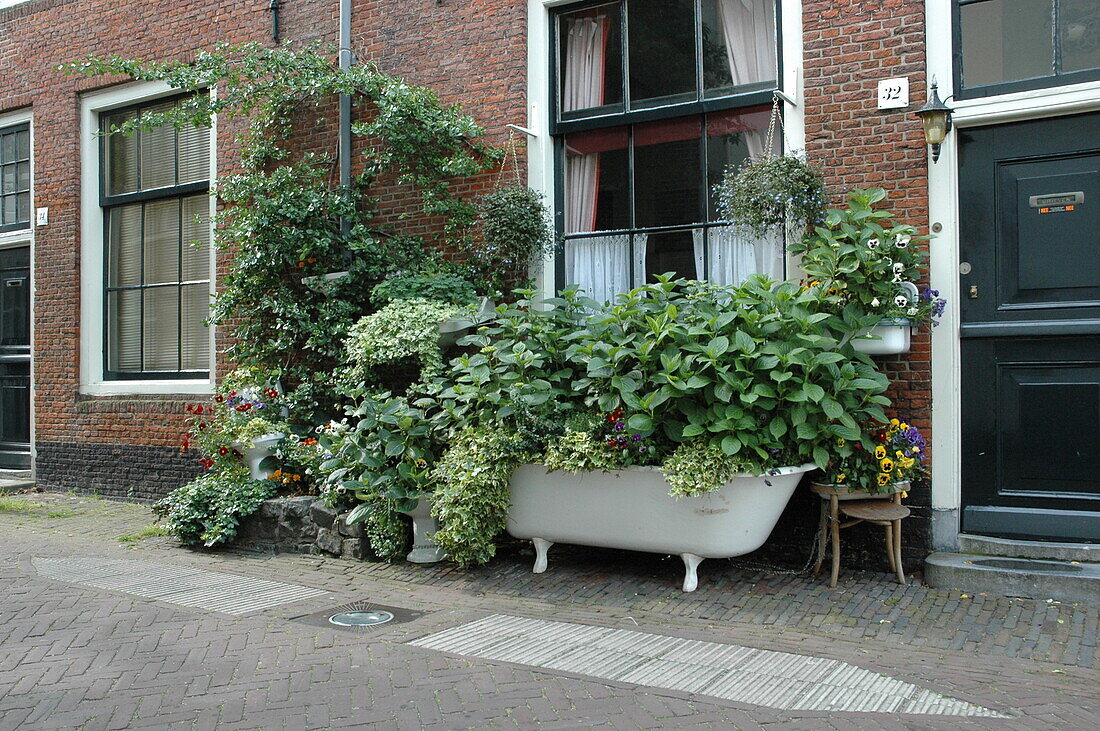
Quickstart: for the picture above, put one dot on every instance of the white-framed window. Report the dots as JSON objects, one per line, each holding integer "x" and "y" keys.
{"x": 650, "y": 102}
{"x": 15, "y": 177}
{"x": 147, "y": 271}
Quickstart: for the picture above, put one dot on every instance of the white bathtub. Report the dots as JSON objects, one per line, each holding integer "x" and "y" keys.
{"x": 631, "y": 509}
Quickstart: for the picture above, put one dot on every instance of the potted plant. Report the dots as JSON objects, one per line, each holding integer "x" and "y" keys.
{"x": 883, "y": 461}
{"x": 862, "y": 259}
{"x": 769, "y": 193}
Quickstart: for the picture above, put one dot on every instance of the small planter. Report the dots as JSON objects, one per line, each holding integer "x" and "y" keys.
{"x": 425, "y": 549}
{"x": 631, "y": 509}
{"x": 889, "y": 337}
{"x": 846, "y": 492}
{"x": 257, "y": 451}
{"x": 452, "y": 330}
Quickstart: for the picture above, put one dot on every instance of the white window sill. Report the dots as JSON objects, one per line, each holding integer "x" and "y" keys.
{"x": 204, "y": 387}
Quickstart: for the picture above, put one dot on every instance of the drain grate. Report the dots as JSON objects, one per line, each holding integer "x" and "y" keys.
{"x": 360, "y": 616}
{"x": 361, "y": 619}
{"x": 741, "y": 674}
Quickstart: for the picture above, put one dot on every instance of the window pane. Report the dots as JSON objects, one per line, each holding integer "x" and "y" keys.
{"x": 1006, "y": 40}
{"x": 1079, "y": 34}
{"x": 161, "y": 331}
{"x": 591, "y": 58}
{"x": 597, "y": 182}
{"x": 23, "y": 145}
{"x": 122, "y": 160}
{"x": 23, "y": 207}
{"x": 162, "y": 242}
{"x": 738, "y": 44}
{"x": 8, "y": 176}
{"x": 194, "y": 154}
{"x": 124, "y": 246}
{"x": 124, "y": 330}
{"x": 196, "y": 238}
{"x": 668, "y": 181}
{"x": 195, "y": 336}
{"x": 732, "y": 137}
{"x": 158, "y": 153}
{"x": 23, "y": 176}
{"x": 10, "y": 210}
{"x": 670, "y": 252}
{"x": 662, "y": 51}
{"x": 8, "y": 147}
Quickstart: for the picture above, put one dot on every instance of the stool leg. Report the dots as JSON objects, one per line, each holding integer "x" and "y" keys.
{"x": 834, "y": 520}
{"x": 890, "y": 546}
{"x": 897, "y": 553}
{"x": 822, "y": 535}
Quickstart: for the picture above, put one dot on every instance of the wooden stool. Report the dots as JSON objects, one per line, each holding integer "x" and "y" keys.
{"x": 885, "y": 511}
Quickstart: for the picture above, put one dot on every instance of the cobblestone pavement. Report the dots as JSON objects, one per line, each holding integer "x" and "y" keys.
{"x": 72, "y": 656}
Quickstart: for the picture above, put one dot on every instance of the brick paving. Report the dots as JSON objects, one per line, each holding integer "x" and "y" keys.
{"x": 78, "y": 657}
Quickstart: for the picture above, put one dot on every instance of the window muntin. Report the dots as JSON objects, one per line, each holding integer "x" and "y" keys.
{"x": 675, "y": 52}
{"x": 155, "y": 195}
{"x": 15, "y": 177}
{"x": 1014, "y": 45}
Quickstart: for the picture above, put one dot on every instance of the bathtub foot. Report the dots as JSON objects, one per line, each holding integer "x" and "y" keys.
{"x": 691, "y": 562}
{"x": 541, "y": 547}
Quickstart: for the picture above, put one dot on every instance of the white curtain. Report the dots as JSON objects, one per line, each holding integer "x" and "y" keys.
{"x": 733, "y": 256}
{"x": 601, "y": 265}
{"x": 748, "y": 27}
{"x": 584, "y": 63}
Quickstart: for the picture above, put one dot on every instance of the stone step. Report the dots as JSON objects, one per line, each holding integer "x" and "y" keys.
{"x": 1065, "y": 581}
{"x": 1048, "y": 550}
{"x": 14, "y": 484}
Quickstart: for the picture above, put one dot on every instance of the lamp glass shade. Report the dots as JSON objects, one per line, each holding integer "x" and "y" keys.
{"x": 935, "y": 126}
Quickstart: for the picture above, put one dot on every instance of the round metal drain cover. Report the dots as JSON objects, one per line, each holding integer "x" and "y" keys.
{"x": 366, "y": 618}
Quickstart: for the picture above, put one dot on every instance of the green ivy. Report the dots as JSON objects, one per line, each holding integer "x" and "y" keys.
{"x": 403, "y": 328}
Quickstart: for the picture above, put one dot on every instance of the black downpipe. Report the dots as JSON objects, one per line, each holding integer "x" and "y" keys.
{"x": 274, "y": 8}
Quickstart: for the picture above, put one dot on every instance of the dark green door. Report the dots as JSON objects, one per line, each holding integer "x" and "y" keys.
{"x": 15, "y": 358}
{"x": 1029, "y": 239}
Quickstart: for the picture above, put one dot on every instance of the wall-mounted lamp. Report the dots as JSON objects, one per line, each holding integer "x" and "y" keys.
{"x": 936, "y": 117}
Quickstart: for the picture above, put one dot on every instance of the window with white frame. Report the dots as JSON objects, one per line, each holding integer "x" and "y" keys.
{"x": 654, "y": 100}
{"x": 154, "y": 194}
{"x": 15, "y": 177}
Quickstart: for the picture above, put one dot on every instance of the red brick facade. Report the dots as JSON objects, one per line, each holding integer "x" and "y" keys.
{"x": 473, "y": 53}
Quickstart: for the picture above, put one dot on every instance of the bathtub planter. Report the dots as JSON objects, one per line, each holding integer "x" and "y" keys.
{"x": 890, "y": 336}
{"x": 631, "y": 509}
{"x": 454, "y": 329}
{"x": 255, "y": 452}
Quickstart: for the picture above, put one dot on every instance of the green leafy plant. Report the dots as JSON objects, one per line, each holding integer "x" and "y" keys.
{"x": 208, "y": 510}
{"x": 766, "y": 193}
{"x": 425, "y": 285}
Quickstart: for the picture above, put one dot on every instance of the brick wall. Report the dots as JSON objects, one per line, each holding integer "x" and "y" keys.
{"x": 850, "y": 45}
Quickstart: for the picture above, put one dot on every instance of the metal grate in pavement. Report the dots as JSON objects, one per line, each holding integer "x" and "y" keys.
{"x": 183, "y": 585}
{"x": 742, "y": 674}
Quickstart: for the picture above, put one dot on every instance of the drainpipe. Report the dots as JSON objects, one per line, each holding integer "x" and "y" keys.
{"x": 346, "y": 61}
{"x": 274, "y": 8}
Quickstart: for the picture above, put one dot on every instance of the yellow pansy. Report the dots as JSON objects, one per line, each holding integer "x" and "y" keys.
{"x": 907, "y": 463}
{"x": 894, "y": 422}
{"x": 886, "y": 465}
{"x": 898, "y": 454}
{"x": 883, "y": 479}
{"x": 880, "y": 452}
{"x": 841, "y": 477}
{"x": 904, "y": 427}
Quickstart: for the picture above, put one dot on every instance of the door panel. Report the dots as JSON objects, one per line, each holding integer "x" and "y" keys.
{"x": 1030, "y": 334}
{"x": 15, "y": 358}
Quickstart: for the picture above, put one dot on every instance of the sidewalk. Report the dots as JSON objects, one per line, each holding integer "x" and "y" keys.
{"x": 73, "y": 655}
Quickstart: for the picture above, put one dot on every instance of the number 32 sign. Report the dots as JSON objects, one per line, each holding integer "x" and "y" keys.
{"x": 893, "y": 93}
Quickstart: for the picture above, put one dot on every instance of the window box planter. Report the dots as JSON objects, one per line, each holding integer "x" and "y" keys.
{"x": 889, "y": 337}
{"x": 631, "y": 509}
{"x": 257, "y": 451}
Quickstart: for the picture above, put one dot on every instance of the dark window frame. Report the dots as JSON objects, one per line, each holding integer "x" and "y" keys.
{"x": 1008, "y": 87}
{"x": 744, "y": 99}
{"x": 107, "y": 203}
{"x": 13, "y": 130}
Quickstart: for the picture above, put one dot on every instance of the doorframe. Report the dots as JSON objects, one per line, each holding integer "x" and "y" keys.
{"x": 25, "y": 237}
{"x": 943, "y": 213}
